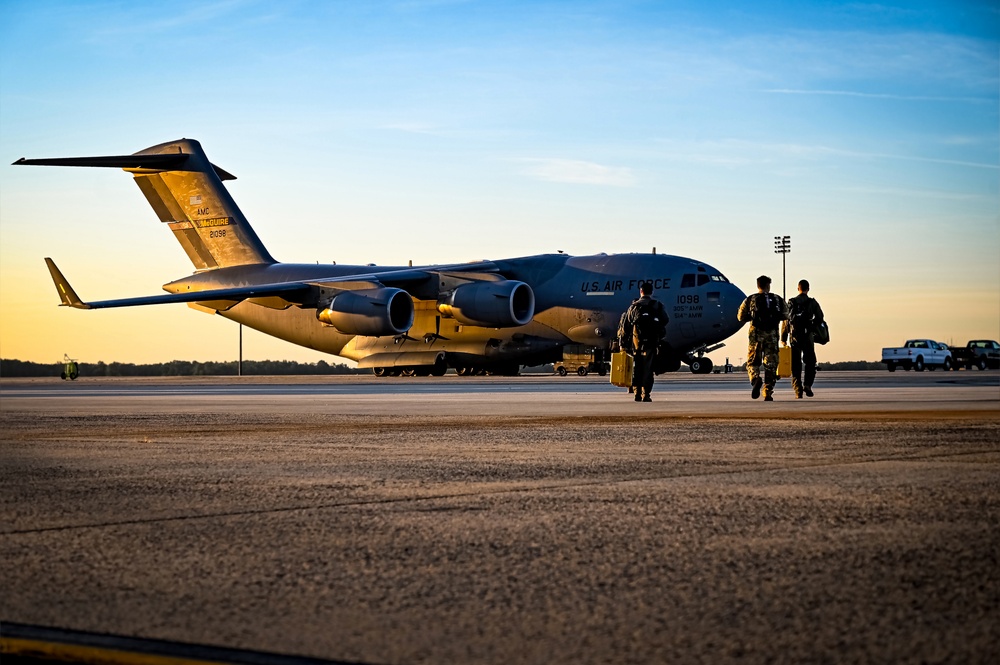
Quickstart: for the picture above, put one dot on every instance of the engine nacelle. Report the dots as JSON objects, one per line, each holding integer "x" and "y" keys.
{"x": 503, "y": 304}
{"x": 369, "y": 312}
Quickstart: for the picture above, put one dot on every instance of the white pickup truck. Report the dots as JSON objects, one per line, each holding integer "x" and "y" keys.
{"x": 917, "y": 354}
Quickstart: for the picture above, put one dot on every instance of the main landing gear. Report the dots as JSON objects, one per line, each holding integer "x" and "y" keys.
{"x": 700, "y": 365}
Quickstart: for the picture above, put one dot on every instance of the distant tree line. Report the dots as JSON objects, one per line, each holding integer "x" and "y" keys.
{"x": 21, "y": 368}
{"x": 850, "y": 365}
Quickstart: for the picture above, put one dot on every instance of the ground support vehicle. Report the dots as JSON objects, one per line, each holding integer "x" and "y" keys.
{"x": 917, "y": 354}
{"x": 981, "y": 353}
{"x": 581, "y": 359}
{"x": 70, "y": 369}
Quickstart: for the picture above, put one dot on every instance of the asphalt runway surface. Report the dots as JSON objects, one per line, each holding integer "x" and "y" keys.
{"x": 518, "y": 520}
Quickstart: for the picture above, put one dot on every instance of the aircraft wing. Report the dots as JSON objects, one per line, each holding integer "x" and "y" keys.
{"x": 293, "y": 290}
{"x": 408, "y": 276}
{"x": 301, "y": 292}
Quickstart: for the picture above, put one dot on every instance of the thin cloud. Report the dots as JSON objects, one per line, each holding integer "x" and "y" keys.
{"x": 578, "y": 172}
{"x": 910, "y": 193}
{"x": 200, "y": 15}
{"x": 414, "y": 128}
{"x": 736, "y": 153}
{"x": 874, "y": 95}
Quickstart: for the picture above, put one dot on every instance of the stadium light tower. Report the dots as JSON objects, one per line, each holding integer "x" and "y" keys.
{"x": 783, "y": 245}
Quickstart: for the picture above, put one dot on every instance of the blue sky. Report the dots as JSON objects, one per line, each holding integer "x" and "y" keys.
{"x": 448, "y": 131}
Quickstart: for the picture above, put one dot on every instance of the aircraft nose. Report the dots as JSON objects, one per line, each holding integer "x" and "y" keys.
{"x": 732, "y": 297}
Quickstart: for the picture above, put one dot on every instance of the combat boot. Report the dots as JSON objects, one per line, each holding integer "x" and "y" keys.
{"x": 809, "y": 391}
{"x": 757, "y": 385}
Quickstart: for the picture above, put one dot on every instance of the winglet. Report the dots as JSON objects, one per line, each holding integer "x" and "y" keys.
{"x": 66, "y": 292}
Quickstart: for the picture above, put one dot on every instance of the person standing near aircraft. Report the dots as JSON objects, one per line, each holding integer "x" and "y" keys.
{"x": 804, "y": 316}
{"x": 641, "y": 330}
{"x": 765, "y": 312}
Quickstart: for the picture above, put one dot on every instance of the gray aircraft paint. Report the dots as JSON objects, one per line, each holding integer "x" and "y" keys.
{"x": 538, "y": 303}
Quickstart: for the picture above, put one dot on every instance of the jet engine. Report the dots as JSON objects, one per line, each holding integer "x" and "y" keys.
{"x": 369, "y": 312}
{"x": 503, "y": 304}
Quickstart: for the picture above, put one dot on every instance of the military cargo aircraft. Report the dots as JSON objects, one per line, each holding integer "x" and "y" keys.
{"x": 484, "y": 316}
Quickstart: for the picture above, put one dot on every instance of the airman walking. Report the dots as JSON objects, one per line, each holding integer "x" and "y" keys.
{"x": 804, "y": 317}
{"x": 641, "y": 330}
{"x": 765, "y": 312}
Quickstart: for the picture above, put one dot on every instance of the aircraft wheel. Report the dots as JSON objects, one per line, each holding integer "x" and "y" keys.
{"x": 582, "y": 371}
{"x": 409, "y": 371}
{"x": 439, "y": 369}
{"x": 561, "y": 371}
{"x": 700, "y": 365}
{"x": 378, "y": 371}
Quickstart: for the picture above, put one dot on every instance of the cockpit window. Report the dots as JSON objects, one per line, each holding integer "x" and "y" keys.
{"x": 702, "y": 280}
{"x": 687, "y": 281}
{"x": 719, "y": 278}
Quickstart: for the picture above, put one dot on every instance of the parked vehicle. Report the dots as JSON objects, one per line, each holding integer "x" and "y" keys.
{"x": 917, "y": 354}
{"x": 981, "y": 353}
{"x": 582, "y": 360}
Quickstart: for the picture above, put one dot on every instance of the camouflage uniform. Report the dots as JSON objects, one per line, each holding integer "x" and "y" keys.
{"x": 803, "y": 348}
{"x": 763, "y": 349}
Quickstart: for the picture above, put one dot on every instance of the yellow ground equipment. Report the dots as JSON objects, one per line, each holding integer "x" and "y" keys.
{"x": 70, "y": 369}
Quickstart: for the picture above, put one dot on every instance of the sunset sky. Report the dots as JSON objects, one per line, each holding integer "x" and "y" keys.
{"x": 444, "y": 131}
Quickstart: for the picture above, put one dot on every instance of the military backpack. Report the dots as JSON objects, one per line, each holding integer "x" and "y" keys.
{"x": 765, "y": 310}
{"x": 800, "y": 316}
{"x": 649, "y": 325}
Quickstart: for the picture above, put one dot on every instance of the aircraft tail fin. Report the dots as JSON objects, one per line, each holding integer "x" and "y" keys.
{"x": 186, "y": 192}
{"x": 66, "y": 293}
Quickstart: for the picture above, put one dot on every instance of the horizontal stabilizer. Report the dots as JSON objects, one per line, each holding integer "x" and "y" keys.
{"x": 163, "y": 162}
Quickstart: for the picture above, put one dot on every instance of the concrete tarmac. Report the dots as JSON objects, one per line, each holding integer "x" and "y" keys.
{"x": 526, "y": 520}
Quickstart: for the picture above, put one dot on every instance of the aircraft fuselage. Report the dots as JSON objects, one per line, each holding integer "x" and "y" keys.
{"x": 578, "y": 300}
